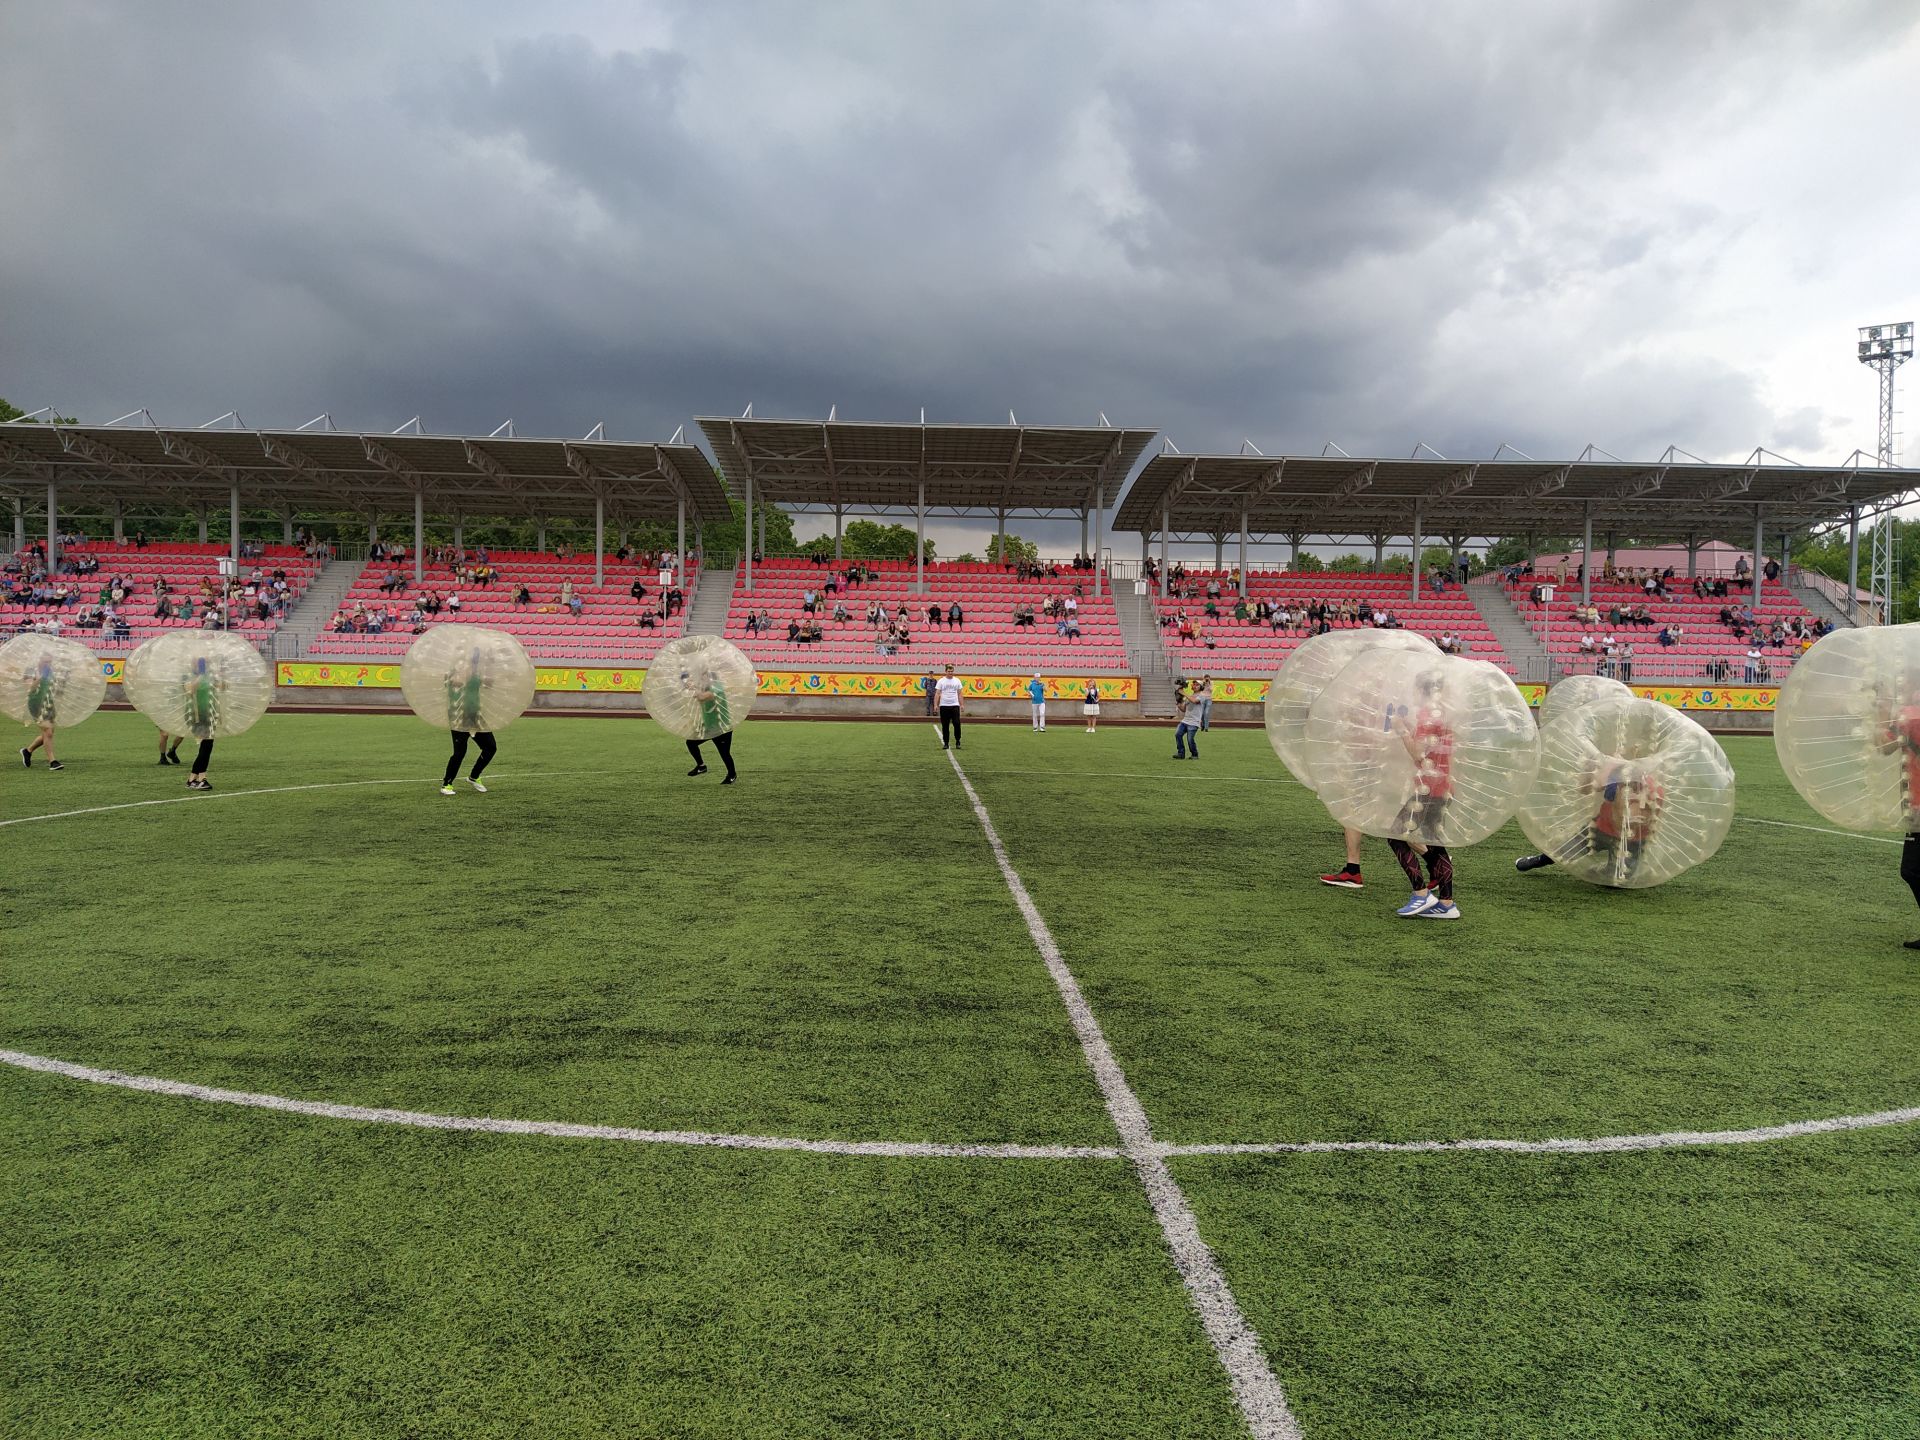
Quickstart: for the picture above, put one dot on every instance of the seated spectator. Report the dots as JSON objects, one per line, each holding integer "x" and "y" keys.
{"x": 576, "y": 604}
{"x": 956, "y": 617}
{"x": 453, "y": 602}
{"x": 934, "y": 614}
{"x": 637, "y": 590}
{"x": 1587, "y": 645}
{"x": 793, "y": 632}
{"x": 522, "y": 595}
{"x": 840, "y": 615}
{"x": 1240, "y": 611}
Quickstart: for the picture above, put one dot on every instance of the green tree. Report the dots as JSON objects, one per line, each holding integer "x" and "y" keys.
{"x": 1308, "y": 564}
{"x": 13, "y": 412}
{"x": 1396, "y": 565}
{"x": 1017, "y": 548}
{"x": 772, "y": 532}
{"x": 1350, "y": 564}
{"x": 1517, "y": 549}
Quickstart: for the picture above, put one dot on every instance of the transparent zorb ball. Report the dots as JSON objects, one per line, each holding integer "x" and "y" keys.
{"x": 1433, "y": 748}
{"x": 467, "y": 678}
{"x": 205, "y": 683}
{"x": 1629, "y": 793}
{"x": 45, "y": 680}
{"x": 1305, "y": 673}
{"x": 1847, "y": 727}
{"x": 1577, "y": 692}
{"x": 699, "y": 686}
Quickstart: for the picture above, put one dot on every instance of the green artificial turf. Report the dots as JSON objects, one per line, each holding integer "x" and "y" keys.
{"x": 827, "y": 950}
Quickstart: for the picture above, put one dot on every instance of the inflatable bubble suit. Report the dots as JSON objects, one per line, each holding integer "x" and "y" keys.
{"x": 1629, "y": 793}
{"x": 1305, "y": 673}
{"x": 1422, "y": 747}
{"x": 1576, "y": 692}
{"x": 468, "y": 678}
{"x": 45, "y": 680}
{"x": 1847, "y": 727}
{"x": 699, "y": 686}
{"x": 203, "y": 683}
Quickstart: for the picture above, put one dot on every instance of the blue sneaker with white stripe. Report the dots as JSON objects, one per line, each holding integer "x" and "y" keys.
{"x": 1417, "y": 904}
{"x": 1444, "y": 910}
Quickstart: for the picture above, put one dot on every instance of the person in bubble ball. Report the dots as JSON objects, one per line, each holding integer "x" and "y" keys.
{"x": 716, "y": 717}
{"x": 40, "y": 704}
{"x": 1631, "y": 803}
{"x": 1900, "y": 735}
{"x": 1429, "y": 742}
{"x": 463, "y": 705}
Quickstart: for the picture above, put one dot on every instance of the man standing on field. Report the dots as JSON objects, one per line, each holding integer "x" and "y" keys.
{"x": 1037, "y": 694}
{"x": 947, "y": 694}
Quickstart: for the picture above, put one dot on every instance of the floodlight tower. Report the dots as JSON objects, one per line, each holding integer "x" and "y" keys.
{"x": 1885, "y": 348}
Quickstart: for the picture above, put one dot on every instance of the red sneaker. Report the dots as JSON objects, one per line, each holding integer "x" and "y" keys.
{"x": 1345, "y": 880}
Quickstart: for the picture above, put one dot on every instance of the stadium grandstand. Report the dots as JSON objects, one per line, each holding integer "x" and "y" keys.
{"x": 611, "y": 604}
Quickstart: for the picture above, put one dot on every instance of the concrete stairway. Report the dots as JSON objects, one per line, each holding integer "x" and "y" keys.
{"x": 1820, "y": 604}
{"x": 712, "y": 596}
{"x": 309, "y": 618}
{"x": 1146, "y": 653}
{"x": 1516, "y": 637}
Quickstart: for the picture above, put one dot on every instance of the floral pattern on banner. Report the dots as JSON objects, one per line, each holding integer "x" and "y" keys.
{"x": 386, "y": 676}
{"x": 894, "y": 685}
{"x": 1753, "y": 698}
{"x": 113, "y": 670}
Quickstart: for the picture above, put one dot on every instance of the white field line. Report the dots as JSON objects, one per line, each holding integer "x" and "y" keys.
{"x": 1258, "y": 1392}
{"x": 201, "y": 799}
{"x": 1821, "y": 830}
{"x": 899, "y": 1149}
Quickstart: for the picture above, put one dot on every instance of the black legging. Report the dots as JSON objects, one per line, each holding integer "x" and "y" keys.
{"x": 1910, "y": 864}
{"x": 1439, "y": 867}
{"x": 201, "y": 757}
{"x": 723, "y": 742}
{"x": 949, "y": 726}
{"x": 482, "y": 738}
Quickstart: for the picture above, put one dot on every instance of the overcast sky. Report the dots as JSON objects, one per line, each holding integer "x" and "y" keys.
{"x": 1633, "y": 224}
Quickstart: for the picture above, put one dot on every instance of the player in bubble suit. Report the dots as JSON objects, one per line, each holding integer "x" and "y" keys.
{"x": 1429, "y": 742}
{"x": 1899, "y": 724}
{"x": 40, "y": 711}
{"x": 463, "y": 707}
{"x": 1632, "y": 800}
{"x": 716, "y": 718}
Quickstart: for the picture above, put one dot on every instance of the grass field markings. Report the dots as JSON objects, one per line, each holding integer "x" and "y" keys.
{"x": 1822, "y": 830}
{"x": 486, "y": 1124}
{"x": 1257, "y": 1391}
{"x": 1602, "y": 1145}
{"x": 274, "y": 790}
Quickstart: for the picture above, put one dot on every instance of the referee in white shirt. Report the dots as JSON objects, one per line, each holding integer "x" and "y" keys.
{"x": 946, "y": 694}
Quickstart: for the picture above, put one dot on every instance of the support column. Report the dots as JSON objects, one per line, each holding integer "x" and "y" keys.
{"x": 839, "y": 529}
{"x": 599, "y": 541}
{"x": 1586, "y": 561}
{"x": 119, "y": 523}
{"x": 233, "y": 523}
{"x": 1099, "y": 543}
{"x": 1219, "y": 552}
{"x": 1416, "y": 552}
{"x": 459, "y": 533}
{"x": 621, "y": 533}
{"x": 1245, "y": 520}
{"x": 920, "y": 540}
{"x": 201, "y": 512}
{"x": 680, "y": 546}
{"x": 1693, "y": 556}
{"x": 286, "y": 526}
{"x": 1295, "y": 541}
{"x": 540, "y": 533}
{"x": 1379, "y": 552}
{"x": 1000, "y": 540}
{"x": 419, "y": 537}
{"x": 748, "y": 559}
{"x": 20, "y": 527}
{"x": 1166, "y": 524}
{"x": 1083, "y": 532}
{"x": 1611, "y": 548}
{"x": 1853, "y": 563}
{"x": 53, "y": 528}
{"x": 1759, "y": 557}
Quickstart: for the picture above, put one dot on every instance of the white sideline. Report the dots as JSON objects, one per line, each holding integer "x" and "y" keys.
{"x": 896, "y": 1149}
{"x": 272, "y": 790}
{"x": 1262, "y": 1402}
{"x": 1822, "y": 830}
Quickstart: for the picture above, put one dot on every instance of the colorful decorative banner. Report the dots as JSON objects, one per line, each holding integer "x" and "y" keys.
{"x": 321, "y": 674}
{"x": 880, "y": 684}
{"x": 112, "y": 669}
{"x": 1759, "y": 698}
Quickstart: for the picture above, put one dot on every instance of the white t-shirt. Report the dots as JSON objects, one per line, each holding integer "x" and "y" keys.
{"x": 947, "y": 689}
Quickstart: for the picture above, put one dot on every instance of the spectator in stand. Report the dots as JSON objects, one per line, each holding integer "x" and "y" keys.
{"x": 1070, "y": 627}
{"x": 1752, "y": 672}
{"x": 576, "y": 604}
{"x": 840, "y": 615}
{"x": 808, "y": 599}
{"x": 1771, "y": 570}
{"x": 934, "y": 614}
{"x": 956, "y": 617}
{"x": 522, "y": 596}
{"x": 638, "y": 590}
{"x": 453, "y": 602}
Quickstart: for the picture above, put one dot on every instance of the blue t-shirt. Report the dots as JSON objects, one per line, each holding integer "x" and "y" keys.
{"x": 1037, "y": 691}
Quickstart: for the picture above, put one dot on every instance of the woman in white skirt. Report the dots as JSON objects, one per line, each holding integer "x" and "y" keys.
{"x": 1091, "y": 709}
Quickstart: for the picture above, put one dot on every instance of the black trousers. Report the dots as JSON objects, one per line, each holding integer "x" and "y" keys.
{"x": 723, "y": 742}
{"x": 201, "y": 757}
{"x": 1910, "y": 864}
{"x": 949, "y": 726}
{"x": 481, "y": 738}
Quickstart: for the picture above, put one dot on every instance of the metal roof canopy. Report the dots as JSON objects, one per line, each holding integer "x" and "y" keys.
{"x": 505, "y": 476}
{"x": 877, "y": 468}
{"x": 1205, "y": 496}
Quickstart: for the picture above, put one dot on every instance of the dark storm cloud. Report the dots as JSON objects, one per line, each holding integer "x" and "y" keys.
{"x": 1376, "y": 224}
